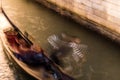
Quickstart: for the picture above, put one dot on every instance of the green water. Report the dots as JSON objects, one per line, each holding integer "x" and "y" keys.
{"x": 103, "y": 55}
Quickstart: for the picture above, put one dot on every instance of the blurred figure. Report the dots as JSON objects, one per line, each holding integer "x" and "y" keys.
{"x": 60, "y": 48}
{"x": 69, "y": 52}
{"x": 65, "y": 44}
{"x": 78, "y": 50}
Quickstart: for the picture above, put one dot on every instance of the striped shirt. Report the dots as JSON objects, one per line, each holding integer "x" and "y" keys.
{"x": 78, "y": 50}
{"x": 55, "y": 41}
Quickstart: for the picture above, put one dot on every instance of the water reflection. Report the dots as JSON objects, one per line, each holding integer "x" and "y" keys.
{"x": 69, "y": 51}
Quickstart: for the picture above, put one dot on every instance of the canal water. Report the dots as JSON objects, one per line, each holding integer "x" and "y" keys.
{"x": 103, "y": 55}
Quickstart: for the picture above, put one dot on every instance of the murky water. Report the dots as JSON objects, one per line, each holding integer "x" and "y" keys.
{"x": 40, "y": 22}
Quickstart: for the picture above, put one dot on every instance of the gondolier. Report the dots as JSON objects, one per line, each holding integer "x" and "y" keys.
{"x": 32, "y": 55}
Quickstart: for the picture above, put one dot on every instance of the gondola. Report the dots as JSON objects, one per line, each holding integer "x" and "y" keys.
{"x": 36, "y": 72}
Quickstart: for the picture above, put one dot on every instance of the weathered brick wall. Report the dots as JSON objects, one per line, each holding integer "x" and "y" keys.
{"x": 105, "y": 12}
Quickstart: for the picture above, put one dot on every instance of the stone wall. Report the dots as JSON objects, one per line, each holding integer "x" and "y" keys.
{"x": 100, "y": 15}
